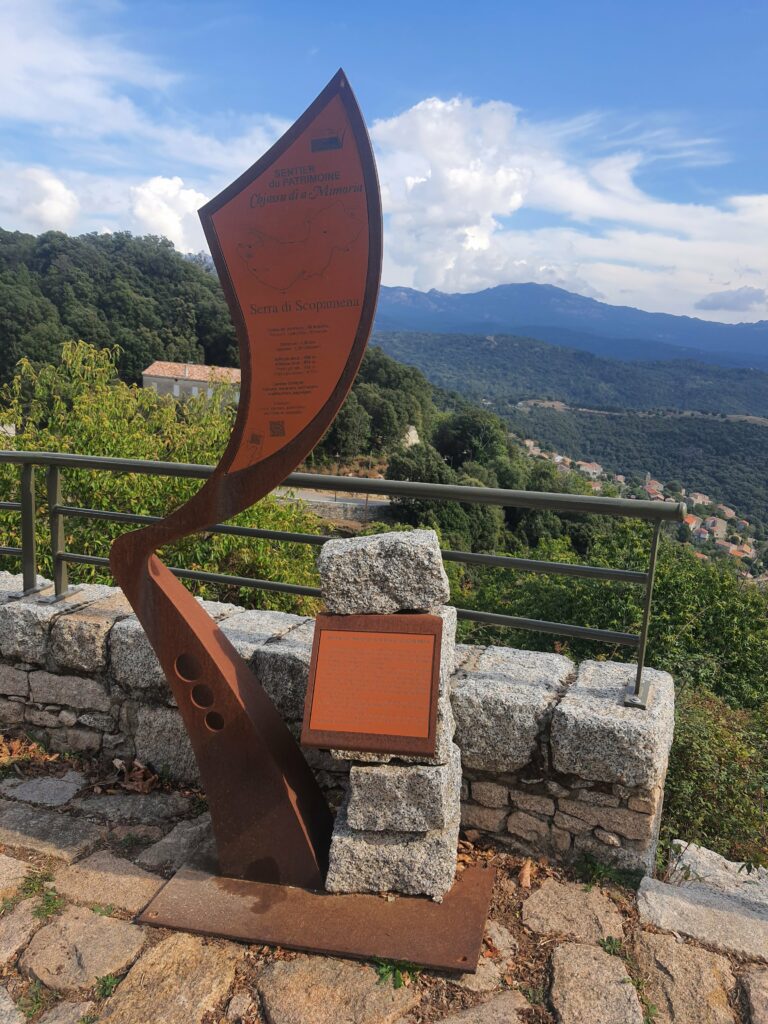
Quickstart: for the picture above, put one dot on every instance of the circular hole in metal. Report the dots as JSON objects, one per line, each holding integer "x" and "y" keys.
{"x": 188, "y": 668}
{"x": 202, "y": 695}
{"x": 214, "y": 721}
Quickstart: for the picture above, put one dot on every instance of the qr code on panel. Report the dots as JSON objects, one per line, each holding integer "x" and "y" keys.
{"x": 277, "y": 428}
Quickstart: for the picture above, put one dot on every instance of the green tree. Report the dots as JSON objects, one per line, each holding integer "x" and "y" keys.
{"x": 471, "y": 435}
{"x": 81, "y": 406}
{"x": 350, "y": 432}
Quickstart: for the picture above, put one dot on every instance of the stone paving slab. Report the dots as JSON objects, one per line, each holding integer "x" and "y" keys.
{"x": 146, "y": 808}
{"x": 568, "y": 908}
{"x": 16, "y": 929}
{"x": 591, "y": 987}
{"x": 8, "y": 1012}
{"x": 697, "y": 868}
{"x": 321, "y": 990}
{"x": 499, "y": 945}
{"x": 687, "y": 985}
{"x": 177, "y": 847}
{"x": 49, "y": 833}
{"x": 178, "y": 981}
{"x": 708, "y": 917}
{"x": 68, "y": 1013}
{"x": 12, "y": 873}
{"x": 756, "y": 987}
{"x": 105, "y": 879}
{"x": 78, "y": 947}
{"x": 45, "y": 791}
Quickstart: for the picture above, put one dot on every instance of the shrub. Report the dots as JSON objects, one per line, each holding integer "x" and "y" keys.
{"x": 717, "y": 785}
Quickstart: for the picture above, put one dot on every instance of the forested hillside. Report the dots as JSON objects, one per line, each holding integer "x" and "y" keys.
{"x": 505, "y": 369}
{"x": 138, "y": 293}
{"x": 722, "y": 458}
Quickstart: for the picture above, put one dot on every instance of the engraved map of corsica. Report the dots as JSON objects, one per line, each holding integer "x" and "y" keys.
{"x": 274, "y": 261}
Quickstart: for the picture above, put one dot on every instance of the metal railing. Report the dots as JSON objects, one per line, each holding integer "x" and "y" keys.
{"x": 54, "y": 463}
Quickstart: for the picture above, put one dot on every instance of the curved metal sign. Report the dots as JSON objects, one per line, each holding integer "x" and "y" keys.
{"x": 296, "y": 241}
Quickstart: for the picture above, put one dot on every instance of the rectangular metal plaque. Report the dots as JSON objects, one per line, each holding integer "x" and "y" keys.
{"x": 373, "y": 683}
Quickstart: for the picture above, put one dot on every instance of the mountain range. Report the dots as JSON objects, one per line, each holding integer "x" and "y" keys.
{"x": 503, "y": 369}
{"x": 564, "y": 318}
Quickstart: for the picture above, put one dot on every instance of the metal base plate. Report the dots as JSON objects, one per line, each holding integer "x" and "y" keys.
{"x": 446, "y": 935}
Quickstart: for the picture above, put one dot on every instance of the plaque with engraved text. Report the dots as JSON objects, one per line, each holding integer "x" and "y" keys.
{"x": 373, "y": 683}
{"x": 294, "y": 234}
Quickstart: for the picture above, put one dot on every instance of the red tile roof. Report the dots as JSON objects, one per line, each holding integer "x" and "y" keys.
{"x": 193, "y": 371}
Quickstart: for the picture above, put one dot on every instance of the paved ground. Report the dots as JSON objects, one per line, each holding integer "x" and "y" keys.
{"x": 81, "y": 855}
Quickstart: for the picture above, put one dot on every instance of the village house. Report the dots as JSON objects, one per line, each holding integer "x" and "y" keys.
{"x": 188, "y": 380}
{"x": 697, "y": 498}
{"x": 728, "y": 513}
{"x": 590, "y": 469}
{"x": 717, "y": 527}
{"x": 653, "y": 492}
{"x": 692, "y": 522}
{"x": 700, "y": 535}
{"x": 745, "y": 551}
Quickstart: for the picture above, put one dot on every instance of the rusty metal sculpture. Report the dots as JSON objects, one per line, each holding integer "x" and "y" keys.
{"x": 296, "y": 241}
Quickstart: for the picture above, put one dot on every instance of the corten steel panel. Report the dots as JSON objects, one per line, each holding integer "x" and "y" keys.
{"x": 297, "y": 245}
{"x": 373, "y": 683}
{"x": 444, "y": 936}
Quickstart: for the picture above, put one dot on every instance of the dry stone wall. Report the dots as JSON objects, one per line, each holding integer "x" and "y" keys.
{"x": 552, "y": 761}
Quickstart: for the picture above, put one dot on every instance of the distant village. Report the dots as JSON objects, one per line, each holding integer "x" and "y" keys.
{"x": 713, "y": 528}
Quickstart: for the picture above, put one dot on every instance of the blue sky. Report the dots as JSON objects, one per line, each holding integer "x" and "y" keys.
{"x": 618, "y": 149}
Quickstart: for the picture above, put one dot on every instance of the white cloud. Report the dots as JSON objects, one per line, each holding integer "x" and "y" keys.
{"x": 48, "y": 203}
{"x": 456, "y": 173}
{"x": 163, "y": 206}
{"x": 474, "y": 193}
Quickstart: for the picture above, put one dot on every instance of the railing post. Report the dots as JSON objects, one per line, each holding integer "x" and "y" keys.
{"x": 638, "y": 694}
{"x": 28, "y": 540}
{"x": 62, "y": 588}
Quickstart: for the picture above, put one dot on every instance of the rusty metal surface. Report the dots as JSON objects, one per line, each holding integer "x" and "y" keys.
{"x": 444, "y": 936}
{"x": 373, "y": 683}
{"x": 270, "y": 818}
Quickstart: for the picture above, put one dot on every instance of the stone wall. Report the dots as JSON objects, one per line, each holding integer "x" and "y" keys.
{"x": 340, "y": 511}
{"x": 553, "y": 763}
